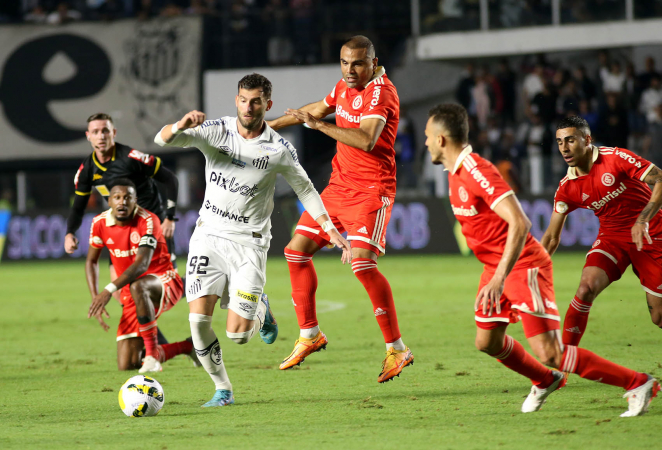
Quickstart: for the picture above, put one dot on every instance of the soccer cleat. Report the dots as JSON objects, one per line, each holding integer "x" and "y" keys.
{"x": 302, "y": 348}
{"x": 193, "y": 355}
{"x": 269, "y": 330}
{"x": 395, "y": 361}
{"x": 221, "y": 397}
{"x": 150, "y": 364}
{"x": 537, "y": 396}
{"x": 640, "y": 398}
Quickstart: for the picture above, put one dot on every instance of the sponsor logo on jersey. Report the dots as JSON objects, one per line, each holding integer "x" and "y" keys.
{"x": 610, "y": 196}
{"x": 123, "y": 253}
{"x": 247, "y": 296}
{"x": 208, "y": 123}
{"x": 135, "y": 237}
{"x": 463, "y": 194}
{"x": 347, "y": 116}
{"x": 375, "y": 97}
{"x": 261, "y": 163}
{"x": 550, "y": 304}
{"x": 103, "y": 190}
{"x": 227, "y": 151}
{"x": 110, "y": 241}
{"x": 230, "y": 184}
{"x": 293, "y": 152}
{"x": 465, "y": 212}
{"x": 96, "y": 177}
{"x": 144, "y": 158}
{"x": 358, "y": 102}
{"x": 628, "y": 158}
{"x": 482, "y": 181}
{"x": 239, "y": 163}
{"x": 584, "y": 197}
{"x": 271, "y": 149}
{"x": 363, "y": 230}
{"x": 246, "y": 307}
{"x": 608, "y": 179}
{"x": 561, "y": 207}
{"x": 379, "y": 312}
{"x": 226, "y": 214}
{"x": 596, "y": 243}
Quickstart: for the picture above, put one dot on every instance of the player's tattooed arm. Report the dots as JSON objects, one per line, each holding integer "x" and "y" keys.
{"x": 640, "y": 228}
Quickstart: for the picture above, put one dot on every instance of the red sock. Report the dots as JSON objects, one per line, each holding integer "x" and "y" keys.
{"x": 575, "y": 321}
{"x": 514, "y": 357}
{"x": 148, "y": 332}
{"x": 304, "y": 284}
{"x": 588, "y": 365}
{"x": 169, "y": 351}
{"x": 379, "y": 291}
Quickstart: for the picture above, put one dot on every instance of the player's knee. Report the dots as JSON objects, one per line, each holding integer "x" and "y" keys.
{"x": 242, "y": 337}
{"x": 551, "y": 359}
{"x": 656, "y": 317}
{"x": 588, "y": 290}
{"x": 487, "y": 346}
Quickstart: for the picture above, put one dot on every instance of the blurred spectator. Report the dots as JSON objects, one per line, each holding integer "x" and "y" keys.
{"x": 536, "y": 137}
{"x": 303, "y": 26}
{"x": 587, "y": 113}
{"x": 534, "y": 82}
{"x": 108, "y": 10}
{"x": 171, "y": 9}
{"x": 494, "y": 90}
{"x": 464, "y": 87}
{"x": 653, "y": 142}
{"x": 568, "y": 102}
{"x": 648, "y": 73}
{"x": 544, "y": 103}
{"x": 585, "y": 86}
{"x": 507, "y": 160}
{"x": 201, "y": 8}
{"x": 613, "y": 127}
{"x": 613, "y": 80}
{"x": 405, "y": 151}
{"x": 651, "y": 98}
{"x": 63, "y": 15}
{"x": 480, "y": 99}
{"x": 36, "y": 15}
{"x": 507, "y": 82}
{"x": 279, "y": 46}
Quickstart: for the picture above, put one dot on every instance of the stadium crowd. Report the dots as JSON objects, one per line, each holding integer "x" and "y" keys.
{"x": 621, "y": 103}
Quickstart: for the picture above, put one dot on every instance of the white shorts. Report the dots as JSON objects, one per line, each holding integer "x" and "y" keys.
{"x": 217, "y": 265}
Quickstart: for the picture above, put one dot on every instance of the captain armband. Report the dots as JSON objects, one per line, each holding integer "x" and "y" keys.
{"x": 148, "y": 241}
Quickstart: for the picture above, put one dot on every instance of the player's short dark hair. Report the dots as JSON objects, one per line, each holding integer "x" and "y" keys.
{"x": 454, "y": 119}
{"x": 255, "y": 81}
{"x": 574, "y": 122}
{"x": 123, "y": 182}
{"x": 358, "y": 41}
{"x": 100, "y": 116}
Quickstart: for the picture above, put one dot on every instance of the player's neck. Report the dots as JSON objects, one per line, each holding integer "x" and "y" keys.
{"x": 103, "y": 156}
{"x": 250, "y": 134}
{"x": 584, "y": 166}
{"x": 451, "y": 157}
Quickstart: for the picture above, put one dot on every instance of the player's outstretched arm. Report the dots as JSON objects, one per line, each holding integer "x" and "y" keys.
{"x": 510, "y": 210}
{"x": 92, "y": 277}
{"x": 317, "y": 110}
{"x": 640, "y": 228}
{"x": 552, "y": 237}
{"x": 190, "y": 120}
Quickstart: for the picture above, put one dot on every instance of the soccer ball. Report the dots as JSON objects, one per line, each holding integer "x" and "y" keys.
{"x": 141, "y": 396}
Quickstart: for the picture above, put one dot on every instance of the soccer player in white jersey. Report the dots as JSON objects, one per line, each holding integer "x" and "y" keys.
{"x": 229, "y": 245}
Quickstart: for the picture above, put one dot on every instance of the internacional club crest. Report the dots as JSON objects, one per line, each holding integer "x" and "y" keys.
{"x": 463, "y": 194}
{"x": 358, "y": 102}
{"x": 608, "y": 179}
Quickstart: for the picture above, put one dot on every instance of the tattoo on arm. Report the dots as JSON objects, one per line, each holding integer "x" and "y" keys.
{"x": 645, "y": 214}
{"x": 654, "y": 176}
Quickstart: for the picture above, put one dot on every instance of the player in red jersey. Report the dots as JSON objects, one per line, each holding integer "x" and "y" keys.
{"x": 612, "y": 182}
{"x": 147, "y": 279}
{"x": 517, "y": 281}
{"x": 358, "y": 199}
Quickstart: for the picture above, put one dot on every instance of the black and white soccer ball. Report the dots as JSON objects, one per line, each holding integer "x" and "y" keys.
{"x": 141, "y": 396}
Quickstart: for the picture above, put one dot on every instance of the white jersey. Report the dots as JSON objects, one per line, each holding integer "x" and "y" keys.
{"x": 241, "y": 177}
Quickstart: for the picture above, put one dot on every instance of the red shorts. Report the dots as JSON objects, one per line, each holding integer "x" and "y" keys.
{"x": 614, "y": 254}
{"x": 171, "y": 291}
{"x": 528, "y": 294}
{"x": 363, "y": 216}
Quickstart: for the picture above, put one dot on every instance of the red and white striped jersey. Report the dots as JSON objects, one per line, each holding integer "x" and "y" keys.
{"x": 613, "y": 189}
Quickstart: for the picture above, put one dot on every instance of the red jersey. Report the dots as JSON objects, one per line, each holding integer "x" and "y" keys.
{"x": 475, "y": 189}
{"x": 123, "y": 241}
{"x": 373, "y": 171}
{"x": 613, "y": 189}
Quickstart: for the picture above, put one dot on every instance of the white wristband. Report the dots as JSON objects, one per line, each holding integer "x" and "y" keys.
{"x": 328, "y": 226}
{"x": 176, "y": 130}
{"x": 110, "y": 287}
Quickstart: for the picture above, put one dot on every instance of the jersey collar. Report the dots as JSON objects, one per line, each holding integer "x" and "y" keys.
{"x": 379, "y": 72}
{"x": 96, "y": 161}
{"x": 458, "y": 162}
{"x": 110, "y": 220}
{"x": 572, "y": 171}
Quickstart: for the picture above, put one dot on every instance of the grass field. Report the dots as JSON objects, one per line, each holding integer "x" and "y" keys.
{"x": 59, "y": 382}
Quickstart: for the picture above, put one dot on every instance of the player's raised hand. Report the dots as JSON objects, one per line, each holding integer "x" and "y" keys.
{"x": 304, "y": 117}
{"x": 191, "y": 120}
{"x": 168, "y": 228}
{"x": 70, "y": 243}
{"x": 336, "y": 239}
{"x": 490, "y": 297}
{"x": 639, "y": 232}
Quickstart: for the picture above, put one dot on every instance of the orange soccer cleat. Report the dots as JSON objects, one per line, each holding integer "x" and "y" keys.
{"x": 302, "y": 348}
{"x": 395, "y": 361}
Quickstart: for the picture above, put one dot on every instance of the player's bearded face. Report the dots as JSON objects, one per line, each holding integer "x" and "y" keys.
{"x": 573, "y": 145}
{"x": 122, "y": 201}
{"x": 357, "y": 67}
{"x": 101, "y": 134}
{"x": 251, "y": 108}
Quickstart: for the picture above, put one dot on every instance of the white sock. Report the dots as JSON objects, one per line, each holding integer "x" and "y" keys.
{"x": 260, "y": 314}
{"x": 209, "y": 350}
{"x": 309, "y": 333}
{"x": 397, "y": 345}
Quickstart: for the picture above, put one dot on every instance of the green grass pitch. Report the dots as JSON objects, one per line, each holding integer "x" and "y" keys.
{"x": 59, "y": 382}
